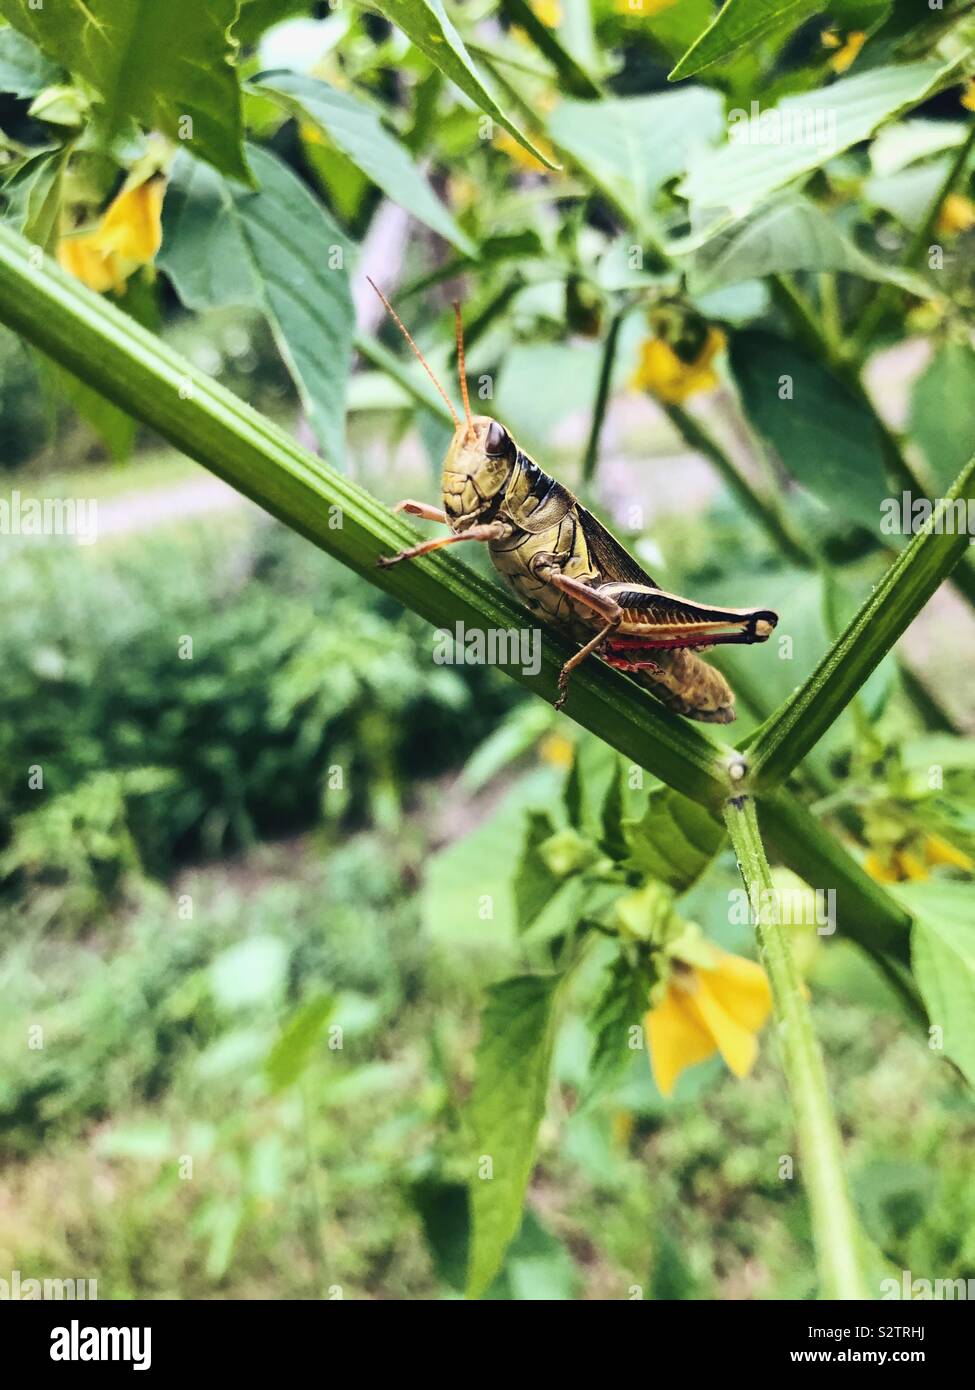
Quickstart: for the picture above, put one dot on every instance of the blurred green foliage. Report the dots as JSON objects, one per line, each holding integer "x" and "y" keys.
{"x": 307, "y": 698}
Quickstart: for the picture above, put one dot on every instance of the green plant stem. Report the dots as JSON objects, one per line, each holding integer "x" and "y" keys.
{"x": 697, "y": 437}
{"x": 878, "y": 307}
{"x": 834, "y": 1224}
{"x": 883, "y": 618}
{"x": 591, "y": 456}
{"x": 899, "y": 471}
{"x": 575, "y": 79}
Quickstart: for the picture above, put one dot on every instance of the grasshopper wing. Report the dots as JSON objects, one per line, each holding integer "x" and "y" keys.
{"x": 611, "y": 559}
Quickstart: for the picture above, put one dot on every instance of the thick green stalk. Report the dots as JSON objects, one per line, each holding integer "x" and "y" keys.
{"x": 834, "y": 1224}
{"x": 883, "y": 618}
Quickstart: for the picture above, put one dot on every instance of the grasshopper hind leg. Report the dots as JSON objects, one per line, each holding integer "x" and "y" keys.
{"x": 607, "y": 608}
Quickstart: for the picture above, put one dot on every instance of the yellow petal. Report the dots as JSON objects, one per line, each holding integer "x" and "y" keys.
{"x": 911, "y": 867}
{"x": 883, "y": 870}
{"x": 736, "y": 1043}
{"x": 664, "y": 375}
{"x": 676, "y": 1038}
{"x": 643, "y": 7}
{"x": 742, "y": 989}
{"x": 968, "y": 95}
{"x": 844, "y": 57}
{"x": 957, "y": 214}
{"x": 87, "y": 262}
{"x": 132, "y": 226}
{"x": 939, "y": 851}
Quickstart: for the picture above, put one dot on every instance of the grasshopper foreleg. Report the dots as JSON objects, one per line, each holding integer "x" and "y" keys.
{"x": 607, "y": 608}
{"x": 424, "y": 509}
{"x": 487, "y": 531}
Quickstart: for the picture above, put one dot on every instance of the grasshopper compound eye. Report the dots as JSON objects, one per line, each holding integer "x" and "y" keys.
{"x": 497, "y": 442}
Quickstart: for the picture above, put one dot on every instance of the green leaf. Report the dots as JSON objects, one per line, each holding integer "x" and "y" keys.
{"x": 825, "y": 437}
{"x": 534, "y": 883}
{"x": 273, "y": 249}
{"x": 757, "y": 158}
{"x": 943, "y": 411}
{"x": 33, "y": 197}
{"x": 161, "y": 64}
{"x": 425, "y": 24}
{"x": 943, "y": 950}
{"x": 291, "y": 1053}
{"x": 791, "y": 234}
{"x": 24, "y": 70}
{"x": 357, "y": 130}
{"x": 630, "y": 146}
{"x": 742, "y": 22}
{"x": 620, "y": 1007}
{"x": 674, "y": 840}
{"x": 511, "y": 1079}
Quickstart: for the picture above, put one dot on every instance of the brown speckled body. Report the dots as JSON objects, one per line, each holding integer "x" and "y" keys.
{"x": 547, "y": 531}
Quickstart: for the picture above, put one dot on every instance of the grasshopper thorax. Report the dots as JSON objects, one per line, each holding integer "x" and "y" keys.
{"x": 476, "y": 471}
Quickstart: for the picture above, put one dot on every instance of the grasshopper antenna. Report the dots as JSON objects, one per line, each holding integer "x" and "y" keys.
{"x": 422, "y": 360}
{"x": 462, "y": 369}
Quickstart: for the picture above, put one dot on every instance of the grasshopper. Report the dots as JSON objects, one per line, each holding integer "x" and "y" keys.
{"x": 570, "y": 570}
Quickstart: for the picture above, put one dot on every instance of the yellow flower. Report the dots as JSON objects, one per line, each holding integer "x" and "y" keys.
{"x": 129, "y": 235}
{"x": 664, "y": 375}
{"x": 906, "y": 865}
{"x": 548, "y": 11}
{"x": 939, "y": 851}
{"x": 644, "y": 8}
{"x": 968, "y": 95}
{"x": 524, "y": 157}
{"x": 708, "y": 1009}
{"x": 846, "y": 50}
{"x": 957, "y": 214}
{"x": 557, "y": 750}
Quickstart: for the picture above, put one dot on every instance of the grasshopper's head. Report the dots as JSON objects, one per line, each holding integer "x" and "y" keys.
{"x": 476, "y": 470}
{"x": 482, "y": 453}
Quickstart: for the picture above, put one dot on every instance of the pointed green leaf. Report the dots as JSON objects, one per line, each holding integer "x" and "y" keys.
{"x": 674, "y": 840}
{"x": 619, "y": 1008}
{"x": 534, "y": 883}
{"x": 511, "y": 1079}
{"x": 168, "y": 65}
{"x": 291, "y": 1053}
{"x": 630, "y": 146}
{"x": 792, "y": 234}
{"x": 742, "y": 22}
{"x": 278, "y": 250}
{"x": 356, "y": 129}
{"x": 426, "y": 25}
{"x": 797, "y": 136}
{"x": 943, "y": 950}
{"x": 24, "y": 70}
